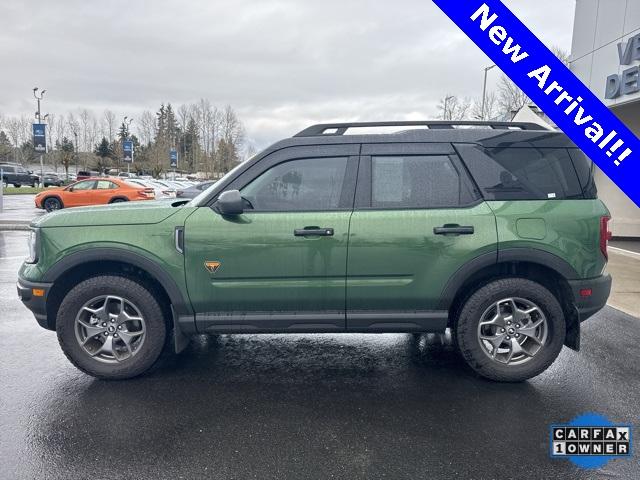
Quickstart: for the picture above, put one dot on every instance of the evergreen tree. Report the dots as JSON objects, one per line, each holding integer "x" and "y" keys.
{"x": 123, "y": 132}
{"x": 27, "y": 153}
{"x": 226, "y": 155}
{"x": 104, "y": 151}
{"x": 66, "y": 151}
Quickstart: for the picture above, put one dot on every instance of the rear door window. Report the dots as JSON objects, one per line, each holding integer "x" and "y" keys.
{"x": 522, "y": 173}
{"x": 105, "y": 185}
{"x": 415, "y": 181}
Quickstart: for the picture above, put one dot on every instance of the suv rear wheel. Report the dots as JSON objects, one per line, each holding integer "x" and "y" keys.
{"x": 111, "y": 327}
{"x": 510, "y": 330}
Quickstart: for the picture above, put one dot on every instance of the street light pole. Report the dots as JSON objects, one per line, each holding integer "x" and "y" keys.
{"x": 38, "y": 98}
{"x": 126, "y": 125}
{"x": 75, "y": 135}
{"x": 484, "y": 91}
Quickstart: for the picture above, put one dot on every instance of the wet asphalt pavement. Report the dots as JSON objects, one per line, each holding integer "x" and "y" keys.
{"x": 301, "y": 406}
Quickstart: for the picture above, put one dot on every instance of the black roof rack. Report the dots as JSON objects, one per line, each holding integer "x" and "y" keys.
{"x": 341, "y": 128}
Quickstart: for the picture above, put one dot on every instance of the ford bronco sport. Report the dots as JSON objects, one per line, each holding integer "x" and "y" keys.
{"x": 493, "y": 230}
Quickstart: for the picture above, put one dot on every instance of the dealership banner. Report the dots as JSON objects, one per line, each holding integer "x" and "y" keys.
{"x": 39, "y": 137}
{"x": 173, "y": 158}
{"x": 552, "y": 87}
{"x": 127, "y": 151}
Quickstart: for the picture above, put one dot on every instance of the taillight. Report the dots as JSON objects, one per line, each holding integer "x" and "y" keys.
{"x": 147, "y": 193}
{"x": 605, "y": 235}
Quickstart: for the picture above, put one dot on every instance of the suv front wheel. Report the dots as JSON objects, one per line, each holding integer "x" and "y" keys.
{"x": 510, "y": 329}
{"x": 111, "y": 327}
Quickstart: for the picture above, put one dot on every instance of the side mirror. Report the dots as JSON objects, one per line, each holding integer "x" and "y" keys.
{"x": 230, "y": 203}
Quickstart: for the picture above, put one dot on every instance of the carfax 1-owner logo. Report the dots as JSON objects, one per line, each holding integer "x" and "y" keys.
{"x": 590, "y": 441}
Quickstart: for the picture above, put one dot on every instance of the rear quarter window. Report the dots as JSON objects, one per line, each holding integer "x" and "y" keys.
{"x": 510, "y": 173}
{"x": 585, "y": 171}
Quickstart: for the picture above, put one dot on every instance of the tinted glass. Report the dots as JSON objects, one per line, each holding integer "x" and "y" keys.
{"x": 585, "y": 170}
{"x": 416, "y": 182}
{"x": 523, "y": 173}
{"x": 298, "y": 185}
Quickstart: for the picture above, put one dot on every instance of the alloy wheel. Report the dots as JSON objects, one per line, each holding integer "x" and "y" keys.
{"x": 51, "y": 204}
{"x": 110, "y": 328}
{"x": 512, "y": 331}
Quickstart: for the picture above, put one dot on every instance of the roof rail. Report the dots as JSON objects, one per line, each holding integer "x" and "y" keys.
{"x": 341, "y": 128}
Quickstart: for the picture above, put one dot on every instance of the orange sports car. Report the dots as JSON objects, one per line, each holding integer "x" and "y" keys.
{"x": 92, "y": 191}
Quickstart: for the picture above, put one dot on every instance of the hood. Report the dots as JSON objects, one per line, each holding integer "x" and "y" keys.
{"x": 141, "y": 212}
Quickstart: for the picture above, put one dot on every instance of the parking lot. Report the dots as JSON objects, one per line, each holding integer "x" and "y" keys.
{"x": 301, "y": 406}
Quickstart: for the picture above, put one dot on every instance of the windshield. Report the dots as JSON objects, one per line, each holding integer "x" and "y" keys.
{"x": 205, "y": 193}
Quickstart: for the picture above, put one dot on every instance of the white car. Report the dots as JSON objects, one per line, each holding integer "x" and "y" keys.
{"x": 168, "y": 190}
{"x": 161, "y": 191}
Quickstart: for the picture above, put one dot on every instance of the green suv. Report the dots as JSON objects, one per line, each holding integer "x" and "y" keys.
{"x": 492, "y": 230}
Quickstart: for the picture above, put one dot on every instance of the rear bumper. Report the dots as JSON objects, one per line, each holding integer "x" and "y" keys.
{"x": 36, "y": 303}
{"x": 587, "y": 305}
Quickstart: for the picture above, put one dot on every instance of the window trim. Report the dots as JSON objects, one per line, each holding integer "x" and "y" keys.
{"x": 364, "y": 190}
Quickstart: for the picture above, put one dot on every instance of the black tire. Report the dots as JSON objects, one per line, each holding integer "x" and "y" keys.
{"x": 118, "y": 200}
{"x": 17, "y": 185}
{"x": 467, "y": 329}
{"x": 51, "y": 204}
{"x": 155, "y": 327}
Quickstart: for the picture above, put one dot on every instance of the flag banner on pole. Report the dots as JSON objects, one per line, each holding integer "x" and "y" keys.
{"x": 552, "y": 87}
{"x": 127, "y": 151}
{"x": 39, "y": 137}
{"x": 173, "y": 158}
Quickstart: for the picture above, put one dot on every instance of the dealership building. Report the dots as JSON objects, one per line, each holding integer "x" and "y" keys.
{"x": 605, "y": 55}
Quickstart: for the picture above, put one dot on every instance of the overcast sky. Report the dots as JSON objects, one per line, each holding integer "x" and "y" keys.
{"x": 282, "y": 64}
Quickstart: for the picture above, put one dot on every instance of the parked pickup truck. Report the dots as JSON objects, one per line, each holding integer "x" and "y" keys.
{"x": 17, "y": 175}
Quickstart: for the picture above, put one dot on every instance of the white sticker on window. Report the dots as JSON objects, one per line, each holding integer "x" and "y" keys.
{"x": 551, "y": 195}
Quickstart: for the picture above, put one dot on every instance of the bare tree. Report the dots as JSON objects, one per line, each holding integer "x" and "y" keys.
{"x": 249, "y": 151}
{"x": 491, "y": 108}
{"x": 85, "y": 121}
{"x": 511, "y": 98}
{"x": 562, "y": 55}
{"x": 147, "y": 127}
{"x": 109, "y": 123}
{"x": 93, "y": 130}
{"x": 454, "y": 108}
{"x": 13, "y": 130}
{"x": 74, "y": 127}
{"x": 230, "y": 140}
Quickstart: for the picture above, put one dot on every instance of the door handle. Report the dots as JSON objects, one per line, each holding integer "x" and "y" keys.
{"x": 453, "y": 230}
{"x": 313, "y": 231}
